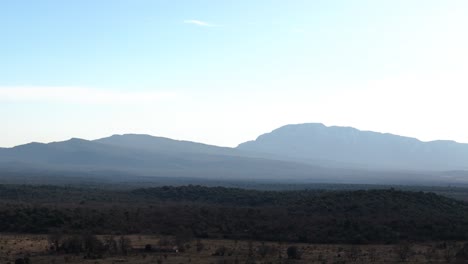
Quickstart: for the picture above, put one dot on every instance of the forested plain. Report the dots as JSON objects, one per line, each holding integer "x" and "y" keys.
{"x": 310, "y": 216}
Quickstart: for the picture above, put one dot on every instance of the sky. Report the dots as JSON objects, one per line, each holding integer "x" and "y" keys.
{"x": 224, "y": 72}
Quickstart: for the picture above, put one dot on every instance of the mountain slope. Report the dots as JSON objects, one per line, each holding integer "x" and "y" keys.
{"x": 127, "y": 157}
{"x": 71, "y": 152}
{"x": 161, "y": 144}
{"x": 306, "y": 142}
{"x": 151, "y": 156}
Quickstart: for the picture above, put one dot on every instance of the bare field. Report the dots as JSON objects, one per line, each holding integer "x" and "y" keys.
{"x": 37, "y": 249}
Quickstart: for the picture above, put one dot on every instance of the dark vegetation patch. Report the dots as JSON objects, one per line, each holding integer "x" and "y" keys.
{"x": 313, "y": 216}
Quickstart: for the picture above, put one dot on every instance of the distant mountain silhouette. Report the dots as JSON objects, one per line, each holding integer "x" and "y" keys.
{"x": 167, "y": 145}
{"x": 294, "y": 153}
{"x": 346, "y": 145}
{"x": 151, "y": 156}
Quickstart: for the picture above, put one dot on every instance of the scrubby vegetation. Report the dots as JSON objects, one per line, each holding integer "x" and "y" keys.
{"x": 357, "y": 217}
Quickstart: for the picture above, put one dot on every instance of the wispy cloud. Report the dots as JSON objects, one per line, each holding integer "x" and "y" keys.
{"x": 199, "y": 23}
{"x": 79, "y": 95}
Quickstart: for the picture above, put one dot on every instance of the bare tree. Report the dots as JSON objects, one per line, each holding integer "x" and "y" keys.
{"x": 125, "y": 245}
{"x": 250, "y": 254}
{"x": 404, "y": 251}
{"x": 111, "y": 245}
{"x": 372, "y": 252}
{"x": 449, "y": 251}
{"x": 353, "y": 253}
{"x": 431, "y": 255}
{"x": 200, "y": 246}
{"x": 55, "y": 239}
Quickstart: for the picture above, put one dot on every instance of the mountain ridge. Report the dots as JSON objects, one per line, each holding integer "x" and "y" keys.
{"x": 302, "y": 152}
{"x": 149, "y": 157}
{"x": 207, "y": 144}
{"x": 350, "y": 145}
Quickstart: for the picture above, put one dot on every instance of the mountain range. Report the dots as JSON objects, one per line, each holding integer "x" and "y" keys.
{"x": 313, "y": 142}
{"x": 303, "y": 152}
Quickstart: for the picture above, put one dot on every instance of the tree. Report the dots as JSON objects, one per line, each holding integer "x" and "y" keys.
{"x": 431, "y": 255}
{"x": 19, "y": 261}
{"x": 372, "y": 255}
{"x": 264, "y": 250}
{"x": 110, "y": 245}
{"x": 294, "y": 252}
{"x": 353, "y": 253}
{"x": 125, "y": 245}
{"x": 72, "y": 244}
{"x": 54, "y": 240}
{"x": 200, "y": 246}
{"x": 462, "y": 254}
{"x": 404, "y": 251}
{"x": 221, "y": 251}
{"x": 148, "y": 248}
{"x": 250, "y": 254}
{"x": 93, "y": 246}
{"x": 449, "y": 251}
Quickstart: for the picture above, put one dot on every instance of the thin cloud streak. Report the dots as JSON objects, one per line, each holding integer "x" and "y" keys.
{"x": 80, "y": 95}
{"x": 199, "y": 23}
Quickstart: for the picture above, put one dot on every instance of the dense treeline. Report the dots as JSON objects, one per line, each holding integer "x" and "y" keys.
{"x": 283, "y": 194}
{"x": 367, "y": 216}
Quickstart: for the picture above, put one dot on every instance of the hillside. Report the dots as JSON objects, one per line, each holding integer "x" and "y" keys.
{"x": 345, "y": 145}
{"x": 166, "y": 145}
{"x": 141, "y": 155}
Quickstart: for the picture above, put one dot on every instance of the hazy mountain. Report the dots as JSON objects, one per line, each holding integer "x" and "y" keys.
{"x": 71, "y": 152}
{"x": 292, "y": 155}
{"x": 150, "y": 156}
{"x": 161, "y": 144}
{"x": 346, "y": 145}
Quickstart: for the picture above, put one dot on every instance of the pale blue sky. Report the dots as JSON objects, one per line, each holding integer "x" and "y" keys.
{"x": 223, "y": 72}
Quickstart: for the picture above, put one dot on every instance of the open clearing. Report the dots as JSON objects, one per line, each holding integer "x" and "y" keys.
{"x": 37, "y": 248}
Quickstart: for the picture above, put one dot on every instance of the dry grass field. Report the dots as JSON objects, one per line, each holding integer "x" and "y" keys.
{"x": 37, "y": 249}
